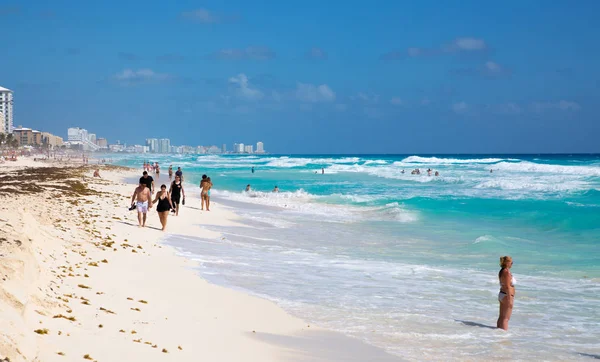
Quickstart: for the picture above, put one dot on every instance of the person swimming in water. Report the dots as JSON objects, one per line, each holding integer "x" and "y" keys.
{"x": 506, "y": 295}
{"x": 276, "y": 189}
{"x": 247, "y": 187}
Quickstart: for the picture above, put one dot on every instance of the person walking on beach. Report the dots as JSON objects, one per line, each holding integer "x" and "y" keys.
{"x": 163, "y": 205}
{"x": 206, "y": 185}
{"x": 143, "y": 199}
{"x": 170, "y": 172}
{"x": 507, "y": 292}
{"x": 179, "y": 173}
{"x": 175, "y": 193}
{"x": 148, "y": 181}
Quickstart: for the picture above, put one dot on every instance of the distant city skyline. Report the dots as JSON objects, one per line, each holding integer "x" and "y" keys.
{"x": 508, "y": 77}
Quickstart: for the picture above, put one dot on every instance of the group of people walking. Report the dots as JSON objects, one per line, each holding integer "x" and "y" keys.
{"x": 166, "y": 200}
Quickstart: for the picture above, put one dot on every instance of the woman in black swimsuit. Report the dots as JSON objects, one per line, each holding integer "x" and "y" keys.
{"x": 163, "y": 205}
{"x": 176, "y": 192}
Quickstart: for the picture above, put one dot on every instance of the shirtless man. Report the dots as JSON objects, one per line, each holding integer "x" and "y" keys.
{"x": 205, "y": 186}
{"x": 143, "y": 200}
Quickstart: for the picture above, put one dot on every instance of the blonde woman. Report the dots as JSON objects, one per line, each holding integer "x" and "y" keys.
{"x": 506, "y": 296}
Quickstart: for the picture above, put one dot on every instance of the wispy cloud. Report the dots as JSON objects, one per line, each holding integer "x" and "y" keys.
{"x": 396, "y": 101}
{"x": 459, "y": 45}
{"x": 130, "y": 76}
{"x": 128, "y": 56}
{"x": 316, "y": 53}
{"x": 243, "y": 89}
{"x": 205, "y": 16}
{"x": 170, "y": 58}
{"x": 365, "y": 97}
{"x": 314, "y": 93}
{"x": 489, "y": 69}
{"x": 460, "y": 107}
{"x": 254, "y": 53}
{"x": 562, "y": 105}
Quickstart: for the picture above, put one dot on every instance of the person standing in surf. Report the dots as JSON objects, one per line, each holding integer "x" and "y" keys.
{"x": 506, "y": 295}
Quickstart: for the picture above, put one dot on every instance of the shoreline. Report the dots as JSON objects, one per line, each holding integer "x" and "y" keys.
{"x": 72, "y": 256}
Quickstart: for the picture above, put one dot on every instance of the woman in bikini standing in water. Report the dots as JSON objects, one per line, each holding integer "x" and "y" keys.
{"x": 507, "y": 292}
{"x": 163, "y": 205}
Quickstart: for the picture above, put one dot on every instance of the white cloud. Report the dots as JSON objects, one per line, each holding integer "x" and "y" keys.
{"x": 313, "y": 93}
{"x": 460, "y": 107}
{"x": 243, "y": 88}
{"x": 397, "y": 101}
{"x": 469, "y": 44}
{"x": 202, "y": 16}
{"x": 414, "y": 52}
{"x": 316, "y": 53}
{"x": 255, "y": 53}
{"x": 493, "y": 67}
{"x": 561, "y": 105}
{"x": 340, "y": 107}
{"x": 509, "y": 108}
{"x": 139, "y": 76}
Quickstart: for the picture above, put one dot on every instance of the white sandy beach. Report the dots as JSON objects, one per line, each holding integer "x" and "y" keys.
{"x": 78, "y": 270}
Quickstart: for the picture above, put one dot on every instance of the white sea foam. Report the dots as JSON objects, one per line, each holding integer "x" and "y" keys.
{"x": 536, "y": 185}
{"x": 525, "y": 166}
{"x": 441, "y": 161}
{"x": 288, "y": 162}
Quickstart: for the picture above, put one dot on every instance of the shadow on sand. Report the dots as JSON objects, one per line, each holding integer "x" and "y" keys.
{"x": 475, "y": 324}
{"x": 324, "y": 346}
{"x": 136, "y": 225}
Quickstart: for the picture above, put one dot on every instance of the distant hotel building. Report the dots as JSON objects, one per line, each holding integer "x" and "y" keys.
{"x": 248, "y": 149}
{"x": 238, "y": 147}
{"x": 79, "y": 136}
{"x": 51, "y": 140}
{"x": 2, "y": 125}
{"x": 102, "y": 142}
{"x": 224, "y": 148}
{"x": 164, "y": 145}
{"x": 6, "y": 108}
{"x": 260, "y": 147}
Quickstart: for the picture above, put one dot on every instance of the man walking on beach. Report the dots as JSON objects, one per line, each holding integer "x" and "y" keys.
{"x": 179, "y": 173}
{"x": 143, "y": 199}
{"x": 148, "y": 181}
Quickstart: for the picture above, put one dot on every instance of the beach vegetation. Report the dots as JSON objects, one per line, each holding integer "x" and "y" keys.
{"x": 72, "y": 319}
{"x": 42, "y": 331}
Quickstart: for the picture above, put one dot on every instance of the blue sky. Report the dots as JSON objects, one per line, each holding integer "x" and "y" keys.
{"x": 311, "y": 76}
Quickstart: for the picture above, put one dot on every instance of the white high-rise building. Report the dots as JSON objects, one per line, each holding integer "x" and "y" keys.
{"x": 164, "y": 145}
{"x": 248, "y": 149}
{"x": 6, "y": 108}
{"x": 152, "y": 144}
{"x": 76, "y": 134}
{"x": 238, "y": 147}
{"x": 92, "y": 137}
{"x": 2, "y": 125}
{"x": 260, "y": 147}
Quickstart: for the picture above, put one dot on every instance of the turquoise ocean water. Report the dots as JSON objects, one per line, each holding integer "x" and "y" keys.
{"x": 409, "y": 262}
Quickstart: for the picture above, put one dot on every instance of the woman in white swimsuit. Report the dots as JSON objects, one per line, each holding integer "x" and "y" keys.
{"x": 506, "y": 295}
